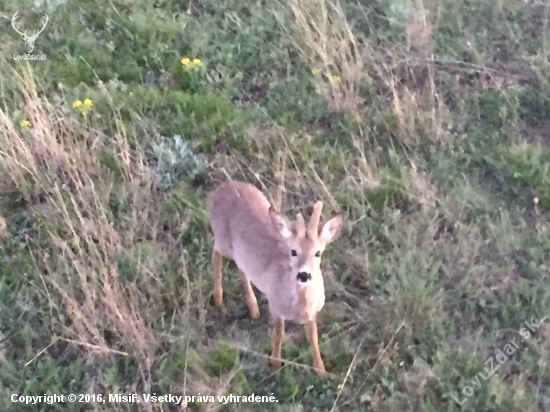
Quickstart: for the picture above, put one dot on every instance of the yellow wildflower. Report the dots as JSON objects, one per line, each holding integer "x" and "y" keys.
{"x": 25, "y": 124}
{"x": 83, "y": 108}
{"x": 336, "y": 79}
{"x": 197, "y": 62}
{"x": 315, "y": 71}
{"x": 185, "y": 61}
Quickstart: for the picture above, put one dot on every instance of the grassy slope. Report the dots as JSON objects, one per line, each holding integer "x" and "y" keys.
{"x": 433, "y": 142}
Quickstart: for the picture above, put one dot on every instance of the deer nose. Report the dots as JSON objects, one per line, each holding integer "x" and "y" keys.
{"x": 303, "y": 277}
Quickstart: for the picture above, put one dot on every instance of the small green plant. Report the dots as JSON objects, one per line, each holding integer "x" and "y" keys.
{"x": 192, "y": 72}
{"x": 224, "y": 358}
{"x": 175, "y": 161}
{"x": 529, "y": 164}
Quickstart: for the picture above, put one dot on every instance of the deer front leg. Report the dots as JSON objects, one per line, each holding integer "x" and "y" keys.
{"x": 278, "y": 335}
{"x": 311, "y": 333}
{"x": 250, "y": 297}
{"x": 217, "y": 266}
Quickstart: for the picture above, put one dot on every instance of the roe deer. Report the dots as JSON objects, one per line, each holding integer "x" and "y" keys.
{"x": 281, "y": 258}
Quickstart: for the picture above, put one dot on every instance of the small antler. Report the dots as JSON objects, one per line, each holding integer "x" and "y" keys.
{"x": 313, "y": 227}
{"x": 300, "y": 225}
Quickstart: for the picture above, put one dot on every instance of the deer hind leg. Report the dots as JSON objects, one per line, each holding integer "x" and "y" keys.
{"x": 217, "y": 265}
{"x": 279, "y": 333}
{"x": 250, "y": 297}
{"x": 312, "y": 337}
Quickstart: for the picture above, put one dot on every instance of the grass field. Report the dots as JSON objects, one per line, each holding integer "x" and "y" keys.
{"x": 425, "y": 123}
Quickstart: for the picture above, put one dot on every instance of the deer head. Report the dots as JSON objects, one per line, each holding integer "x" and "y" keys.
{"x": 29, "y": 40}
{"x": 307, "y": 243}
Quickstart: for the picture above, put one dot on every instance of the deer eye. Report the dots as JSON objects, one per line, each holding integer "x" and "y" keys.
{"x": 293, "y": 252}
{"x": 318, "y": 254}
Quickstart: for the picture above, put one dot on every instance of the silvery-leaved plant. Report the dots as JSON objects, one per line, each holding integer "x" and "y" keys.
{"x": 175, "y": 161}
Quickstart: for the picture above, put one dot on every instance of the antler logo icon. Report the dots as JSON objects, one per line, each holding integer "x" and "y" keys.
{"x": 29, "y": 40}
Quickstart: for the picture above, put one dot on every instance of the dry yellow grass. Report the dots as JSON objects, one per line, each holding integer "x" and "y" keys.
{"x": 327, "y": 44}
{"x": 58, "y": 166}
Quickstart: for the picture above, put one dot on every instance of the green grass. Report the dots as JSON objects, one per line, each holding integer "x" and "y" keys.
{"x": 433, "y": 141}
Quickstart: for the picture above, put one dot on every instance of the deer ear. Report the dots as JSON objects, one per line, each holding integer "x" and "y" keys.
{"x": 280, "y": 222}
{"x": 331, "y": 229}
